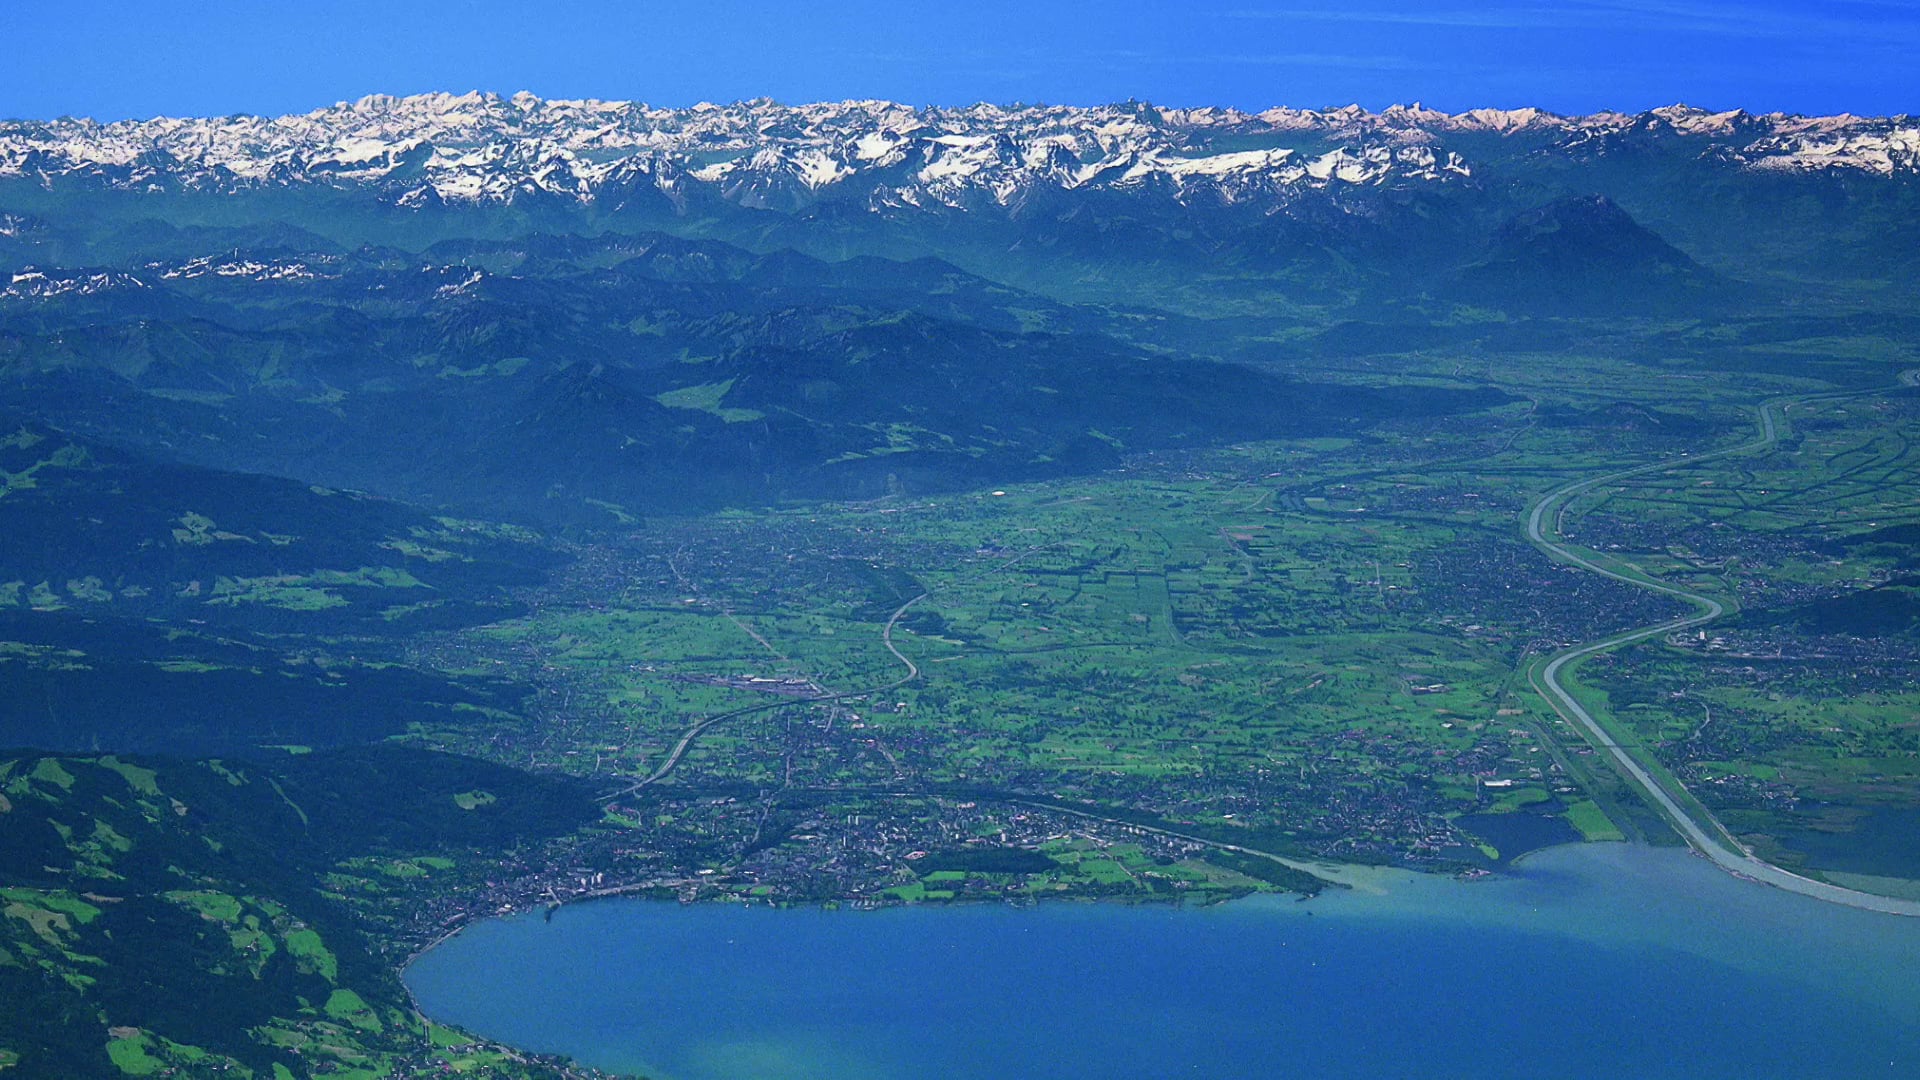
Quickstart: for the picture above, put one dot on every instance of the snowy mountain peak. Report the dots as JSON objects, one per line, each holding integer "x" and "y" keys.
{"x": 443, "y": 147}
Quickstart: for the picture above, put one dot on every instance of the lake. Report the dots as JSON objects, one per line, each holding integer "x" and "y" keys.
{"x": 1596, "y": 960}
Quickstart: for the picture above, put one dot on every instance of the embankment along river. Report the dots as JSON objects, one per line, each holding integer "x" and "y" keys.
{"x": 1600, "y": 960}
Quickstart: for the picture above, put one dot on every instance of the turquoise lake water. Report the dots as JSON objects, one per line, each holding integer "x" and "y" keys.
{"x": 1602, "y": 960}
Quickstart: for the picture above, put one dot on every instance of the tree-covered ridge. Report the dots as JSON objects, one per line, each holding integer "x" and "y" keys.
{"x": 549, "y": 376}
{"x": 162, "y": 915}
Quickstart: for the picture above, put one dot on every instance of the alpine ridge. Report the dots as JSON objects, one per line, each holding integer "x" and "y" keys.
{"x": 477, "y": 148}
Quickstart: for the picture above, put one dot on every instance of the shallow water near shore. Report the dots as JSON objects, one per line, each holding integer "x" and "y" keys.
{"x": 1598, "y": 960}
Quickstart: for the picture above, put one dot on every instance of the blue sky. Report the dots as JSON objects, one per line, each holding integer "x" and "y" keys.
{"x": 113, "y": 59}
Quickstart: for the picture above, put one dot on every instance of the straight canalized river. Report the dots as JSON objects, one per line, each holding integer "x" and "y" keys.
{"x": 1599, "y": 960}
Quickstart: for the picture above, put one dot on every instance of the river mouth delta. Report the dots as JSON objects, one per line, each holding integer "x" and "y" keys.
{"x": 1605, "y": 960}
{"x": 1591, "y": 960}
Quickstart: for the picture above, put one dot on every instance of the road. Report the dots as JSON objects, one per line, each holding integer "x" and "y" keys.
{"x": 692, "y": 734}
{"x": 1696, "y": 824}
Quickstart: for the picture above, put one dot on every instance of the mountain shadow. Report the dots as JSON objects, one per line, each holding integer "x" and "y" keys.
{"x": 1585, "y": 256}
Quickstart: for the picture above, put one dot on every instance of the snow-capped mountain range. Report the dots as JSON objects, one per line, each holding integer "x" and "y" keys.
{"x": 444, "y": 148}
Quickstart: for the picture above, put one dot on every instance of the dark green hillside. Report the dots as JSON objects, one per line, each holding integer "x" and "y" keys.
{"x": 531, "y": 376}
{"x": 1627, "y": 417}
{"x": 1584, "y": 255}
{"x": 1016, "y": 403}
{"x": 775, "y": 281}
{"x": 167, "y": 915}
{"x": 910, "y": 403}
{"x": 70, "y": 682}
{"x": 154, "y": 607}
{"x": 90, "y": 528}
{"x": 1898, "y": 543}
{"x": 1891, "y": 610}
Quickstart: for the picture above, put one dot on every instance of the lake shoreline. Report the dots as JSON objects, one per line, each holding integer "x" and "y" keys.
{"x": 692, "y": 988}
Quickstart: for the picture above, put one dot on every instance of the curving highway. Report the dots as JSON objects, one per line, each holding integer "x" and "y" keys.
{"x": 1700, "y": 828}
{"x": 693, "y": 733}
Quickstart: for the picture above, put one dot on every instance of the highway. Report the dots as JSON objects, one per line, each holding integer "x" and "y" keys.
{"x": 693, "y": 733}
{"x": 1696, "y": 824}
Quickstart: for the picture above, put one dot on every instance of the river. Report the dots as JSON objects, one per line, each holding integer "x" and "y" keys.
{"x": 1597, "y": 960}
